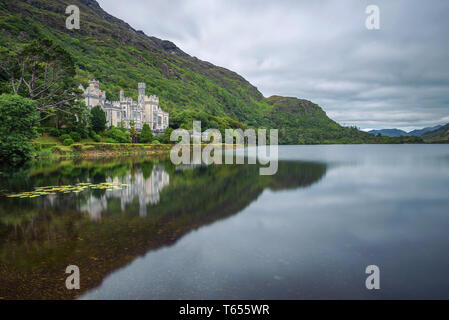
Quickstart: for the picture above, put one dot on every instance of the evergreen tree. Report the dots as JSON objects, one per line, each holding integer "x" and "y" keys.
{"x": 146, "y": 136}
{"x": 97, "y": 119}
{"x": 167, "y": 133}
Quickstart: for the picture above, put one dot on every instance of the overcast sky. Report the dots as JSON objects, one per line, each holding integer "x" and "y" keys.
{"x": 318, "y": 50}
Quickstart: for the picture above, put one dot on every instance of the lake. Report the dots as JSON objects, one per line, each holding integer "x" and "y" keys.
{"x": 143, "y": 228}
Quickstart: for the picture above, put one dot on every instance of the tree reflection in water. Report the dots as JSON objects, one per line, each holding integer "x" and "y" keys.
{"x": 100, "y": 231}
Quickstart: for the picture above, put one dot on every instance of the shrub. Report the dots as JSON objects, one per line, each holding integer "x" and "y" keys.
{"x": 68, "y": 142}
{"x": 118, "y": 135}
{"x": 155, "y": 142}
{"x": 65, "y": 131}
{"x": 65, "y": 137}
{"x": 96, "y": 137}
{"x": 18, "y": 122}
{"x": 54, "y": 132}
{"x": 110, "y": 140}
{"x": 81, "y": 128}
{"x": 75, "y": 136}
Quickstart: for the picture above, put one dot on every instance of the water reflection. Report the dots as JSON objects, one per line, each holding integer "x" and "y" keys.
{"x": 101, "y": 231}
{"x": 146, "y": 189}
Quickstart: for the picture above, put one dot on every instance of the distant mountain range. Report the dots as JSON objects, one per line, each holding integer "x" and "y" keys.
{"x": 399, "y": 133}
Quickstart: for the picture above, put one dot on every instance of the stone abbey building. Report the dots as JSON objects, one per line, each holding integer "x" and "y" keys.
{"x": 145, "y": 110}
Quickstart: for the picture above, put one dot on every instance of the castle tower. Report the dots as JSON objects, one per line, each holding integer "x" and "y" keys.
{"x": 122, "y": 95}
{"x": 141, "y": 87}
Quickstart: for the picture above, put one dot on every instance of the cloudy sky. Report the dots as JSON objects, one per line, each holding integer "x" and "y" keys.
{"x": 319, "y": 50}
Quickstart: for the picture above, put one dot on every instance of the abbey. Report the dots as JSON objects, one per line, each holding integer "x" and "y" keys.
{"x": 145, "y": 110}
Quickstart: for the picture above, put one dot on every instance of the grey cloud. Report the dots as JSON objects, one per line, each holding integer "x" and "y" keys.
{"x": 397, "y": 76}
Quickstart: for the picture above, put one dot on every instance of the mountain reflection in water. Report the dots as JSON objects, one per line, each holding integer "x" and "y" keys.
{"x": 101, "y": 231}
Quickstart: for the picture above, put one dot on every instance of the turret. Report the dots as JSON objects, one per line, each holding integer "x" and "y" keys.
{"x": 94, "y": 84}
{"x": 141, "y": 90}
{"x": 122, "y": 95}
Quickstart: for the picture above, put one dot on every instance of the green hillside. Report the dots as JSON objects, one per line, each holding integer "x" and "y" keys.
{"x": 438, "y": 136}
{"x": 110, "y": 50}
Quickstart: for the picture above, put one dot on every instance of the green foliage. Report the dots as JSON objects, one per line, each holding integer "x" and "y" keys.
{"x": 118, "y": 135}
{"x": 146, "y": 136}
{"x": 68, "y": 142}
{"x": 110, "y": 140}
{"x": 133, "y": 131}
{"x": 77, "y": 121}
{"x": 121, "y": 126}
{"x": 18, "y": 122}
{"x": 75, "y": 136}
{"x": 438, "y": 136}
{"x": 96, "y": 137}
{"x": 155, "y": 142}
{"x": 166, "y": 137}
{"x": 54, "y": 132}
{"x": 44, "y": 72}
{"x": 65, "y": 137}
{"x": 97, "y": 119}
{"x": 41, "y": 146}
{"x": 40, "y": 131}
{"x": 190, "y": 89}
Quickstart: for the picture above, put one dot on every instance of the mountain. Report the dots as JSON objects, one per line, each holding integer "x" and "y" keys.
{"x": 399, "y": 133}
{"x": 420, "y": 132}
{"x": 389, "y": 132}
{"x": 438, "y": 136}
{"x": 110, "y": 50}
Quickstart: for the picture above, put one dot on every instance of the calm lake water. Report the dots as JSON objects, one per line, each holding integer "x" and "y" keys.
{"x": 146, "y": 229}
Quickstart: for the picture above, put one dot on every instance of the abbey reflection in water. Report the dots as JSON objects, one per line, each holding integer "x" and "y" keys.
{"x": 101, "y": 231}
{"x": 146, "y": 189}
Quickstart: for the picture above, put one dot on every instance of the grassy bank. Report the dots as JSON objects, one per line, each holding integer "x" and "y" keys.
{"x": 87, "y": 149}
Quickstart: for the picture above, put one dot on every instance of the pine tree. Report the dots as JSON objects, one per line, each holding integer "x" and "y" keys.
{"x": 167, "y": 133}
{"x": 146, "y": 136}
{"x": 97, "y": 119}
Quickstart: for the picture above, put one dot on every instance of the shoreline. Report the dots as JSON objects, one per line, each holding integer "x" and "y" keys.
{"x": 100, "y": 150}
{"x": 105, "y": 150}
{"x": 111, "y": 150}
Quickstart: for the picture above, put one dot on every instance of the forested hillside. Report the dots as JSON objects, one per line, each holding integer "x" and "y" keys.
{"x": 111, "y": 51}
